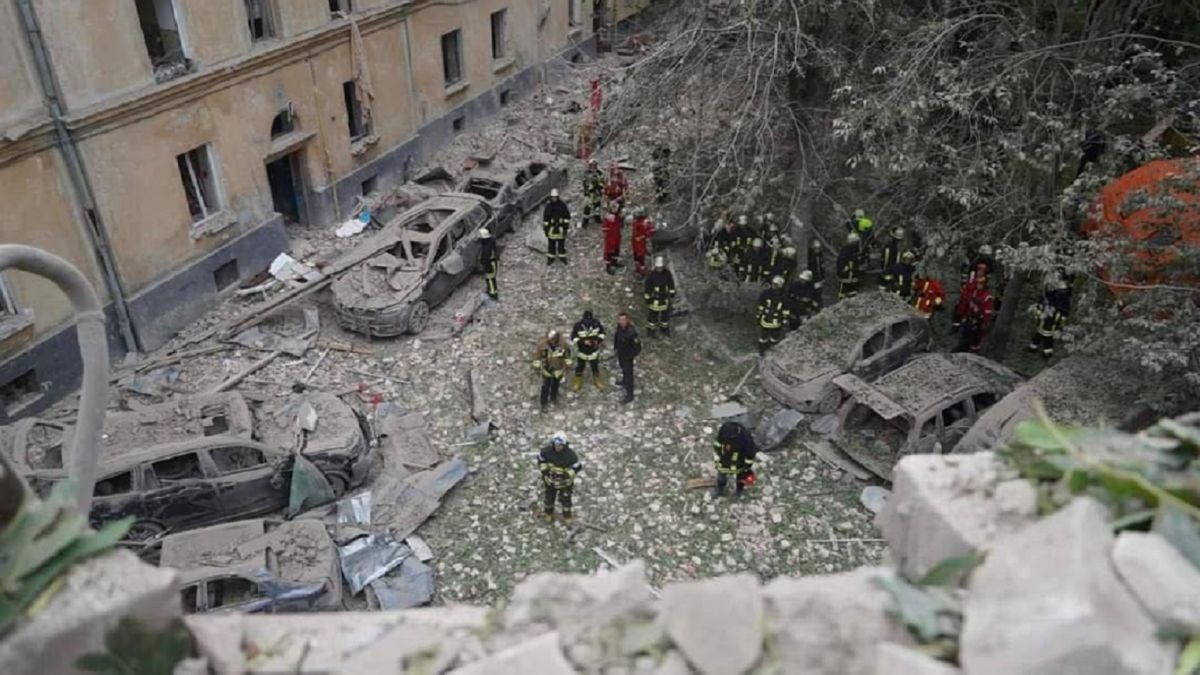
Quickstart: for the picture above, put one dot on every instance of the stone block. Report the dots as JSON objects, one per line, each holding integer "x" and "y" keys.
{"x": 827, "y": 625}
{"x": 576, "y": 604}
{"x": 945, "y": 506}
{"x": 716, "y": 623}
{"x": 1166, "y": 583}
{"x": 893, "y": 659}
{"x": 1047, "y": 601}
{"x": 540, "y": 655}
{"x": 93, "y": 597}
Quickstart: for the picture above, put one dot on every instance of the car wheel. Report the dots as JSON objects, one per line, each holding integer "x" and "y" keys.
{"x": 829, "y": 402}
{"x": 145, "y": 530}
{"x": 339, "y": 484}
{"x": 418, "y": 317}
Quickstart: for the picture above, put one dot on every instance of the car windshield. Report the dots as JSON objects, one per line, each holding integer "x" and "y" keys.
{"x": 488, "y": 189}
{"x": 868, "y": 429}
{"x": 428, "y": 220}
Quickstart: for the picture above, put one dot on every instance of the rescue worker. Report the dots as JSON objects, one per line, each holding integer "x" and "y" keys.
{"x": 755, "y": 262}
{"x": 772, "y": 235}
{"x": 901, "y": 275}
{"x": 616, "y": 187}
{"x": 558, "y": 465}
{"x": 864, "y": 227}
{"x": 659, "y": 292}
{"x": 784, "y": 264}
{"x": 889, "y": 257}
{"x": 587, "y": 336}
{"x": 741, "y": 245}
{"x": 641, "y": 234}
{"x": 1049, "y": 315}
{"x": 928, "y": 295}
{"x": 970, "y": 268}
{"x": 489, "y": 260}
{"x": 612, "y": 238}
{"x": 660, "y": 167}
{"x": 847, "y": 267}
{"x": 593, "y": 193}
{"x": 628, "y": 345}
{"x": 556, "y": 219}
{"x": 550, "y": 360}
{"x": 804, "y": 299}
{"x": 816, "y": 262}
{"x": 773, "y": 315}
{"x": 978, "y": 312}
{"x": 735, "y": 452}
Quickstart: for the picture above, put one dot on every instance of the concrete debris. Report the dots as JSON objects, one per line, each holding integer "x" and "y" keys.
{"x": 286, "y": 268}
{"x": 283, "y": 333}
{"x": 726, "y": 410}
{"x": 155, "y": 382}
{"x": 1047, "y": 601}
{"x": 946, "y": 506}
{"x": 1166, "y": 583}
{"x": 307, "y": 417}
{"x": 437, "y": 482}
{"x": 536, "y": 239}
{"x": 310, "y": 487}
{"x": 475, "y": 396}
{"x": 874, "y": 498}
{"x": 834, "y": 458}
{"x": 368, "y": 558}
{"x": 410, "y": 585}
{"x": 771, "y": 432}
{"x": 419, "y": 548}
{"x": 716, "y": 623}
{"x": 823, "y": 625}
{"x": 893, "y": 659}
{"x": 355, "y": 510}
{"x": 406, "y": 441}
{"x": 541, "y": 655}
{"x": 353, "y": 226}
{"x": 479, "y": 432}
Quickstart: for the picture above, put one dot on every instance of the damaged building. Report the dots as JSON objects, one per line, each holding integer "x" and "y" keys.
{"x": 161, "y": 146}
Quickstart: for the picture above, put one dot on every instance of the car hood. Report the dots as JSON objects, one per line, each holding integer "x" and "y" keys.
{"x": 802, "y": 370}
{"x": 375, "y": 284}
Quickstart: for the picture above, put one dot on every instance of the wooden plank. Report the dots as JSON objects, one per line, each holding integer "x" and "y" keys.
{"x": 475, "y": 396}
{"x": 698, "y": 483}
{"x": 253, "y": 368}
{"x": 838, "y": 460}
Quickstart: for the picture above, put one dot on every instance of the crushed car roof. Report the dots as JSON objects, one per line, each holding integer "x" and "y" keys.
{"x": 300, "y": 550}
{"x": 927, "y": 380}
{"x": 828, "y": 336}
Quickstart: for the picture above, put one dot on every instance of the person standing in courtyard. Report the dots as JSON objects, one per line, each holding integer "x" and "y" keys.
{"x": 773, "y": 315}
{"x": 489, "y": 260}
{"x": 558, "y": 465}
{"x": 735, "y": 452}
{"x": 556, "y": 220}
{"x": 627, "y": 345}
{"x": 588, "y": 337}
{"x": 641, "y": 233}
{"x": 612, "y": 237}
{"x": 659, "y": 293}
{"x": 593, "y": 193}
{"x": 550, "y": 360}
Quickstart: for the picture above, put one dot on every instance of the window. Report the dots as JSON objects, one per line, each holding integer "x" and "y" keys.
{"x": 20, "y": 392}
{"x": 284, "y": 123}
{"x": 340, "y": 7}
{"x": 237, "y": 458}
{"x": 199, "y": 182}
{"x": 230, "y": 591}
{"x": 160, "y": 32}
{"x": 452, "y": 57}
{"x": 499, "y": 46}
{"x": 226, "y": 275}
{"x": 983, "y": 400}
{"x": 900, "y": 331}
{"x": 189, "y": 595}
{"x": 872, "y": 346}
{"x": 505, "y": 97}
{"x": 114, "y": 485}
{"x": 261, "y": 17}
{"x": 442, "y": 249}
{"x": 954, "y": 413}
{"x": 182, "y": 467}
{"x": 369, "y": 185}
{"x": 354, "y": 115}
{"x": 929, "y": 428}
{"x": 459, "y": 123}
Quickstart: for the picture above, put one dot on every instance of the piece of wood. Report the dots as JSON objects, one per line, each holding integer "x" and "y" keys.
{"x": 741, "y": 383}
{"x": 350, "y": 347}
{"x": 462, "y": 317}
{"x": 698, "y": 483}
{"x": 843, "y": 541}
{"x": 253, "y": 368}
{"x": 475, "y": 396}
{"x": 320, "y": 360}
{"x": 833, "y": 457}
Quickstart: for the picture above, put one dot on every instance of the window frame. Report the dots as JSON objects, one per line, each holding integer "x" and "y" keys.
{"x": 151, "y": 466}
{"x": 222, "y": 471}
{"x": 499, "y": 37}
{"x": 574, "y": 10}
{"x": 355, "y": 120}
{"x": 336, "y": 7}
{"x": 8, "y": 301}
{"x": 212, "y": 182}
{"x": 460, "y": 75}
{"x": 270, "y": 19}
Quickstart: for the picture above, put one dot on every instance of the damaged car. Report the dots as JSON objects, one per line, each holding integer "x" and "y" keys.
{"x": 421, "y": 257}
{"x": 925, "y": 406}
{"x": 256, "y": 566}
{"x": 867, "y": 335}
{"x": 513, "y": 190}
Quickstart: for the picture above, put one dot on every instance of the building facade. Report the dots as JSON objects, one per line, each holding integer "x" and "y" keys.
{"x": 160, "y": 145}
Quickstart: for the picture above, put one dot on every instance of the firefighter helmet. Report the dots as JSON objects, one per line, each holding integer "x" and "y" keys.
{"x": 898, "y": 232}
{"x": 859, "y": 213}
{"x": 777, "y": 281}
{"x": 593, "y": 163}
{"x": 560, "y": 438}
{"x": 852, "y": 238}
{"x": 554, "y": 193}
{"x": 485, "y": 233}
{"x": 806, "y": 275}
{"x": 756, "y": 242}
{"x": 788, "y": 252}
{"x": 552, "y": 335}
{"x": 659, "y": 262}
{"x": 908, "y": 255}
{"x": 985, "y": 250}
{"x": 814, "y": 244}
{"x": 742, "y": 219}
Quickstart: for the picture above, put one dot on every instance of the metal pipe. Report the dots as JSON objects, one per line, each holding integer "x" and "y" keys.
{"x": 93, "y": 225}
{"x": 93, "y": 349}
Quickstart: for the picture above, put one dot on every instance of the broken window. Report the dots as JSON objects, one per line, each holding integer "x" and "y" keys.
{"x": 181, "y": 467}
{"x": 983, "y": 400}
{"x": 929, "y": 428}
{"x": 119, "y": 484}
{"x": 230, "y": 591}
{"x": 8, "y": 306}
{"x": 442, "y": 249}
{"x": 488, "y": 189}
{"x": 164, "y": 45}
{"x": 452, "y": 57}
{"x": 237, "y": 458}
{"x": 261, "y": 17}
{"x": 190, "y": 596}
{"x": 226, "y": 275}
{"x": 359, "y": 128}
{"x": 284, "y": 123}
{"x": 199, "y": 182}
{"x": 872, "y": 346}
{"x": 505, "y": 97}
{"x": 368, "y": 186}
{"x": 20, "y": 391}
{"x": 900, "y": 331}
{"x": 954, "y": 413}
{"x": 215, "y": 425}
{"x": 337, "y": 7}
{"x": 499, "y": 39}
{"x": 877, "y": 431}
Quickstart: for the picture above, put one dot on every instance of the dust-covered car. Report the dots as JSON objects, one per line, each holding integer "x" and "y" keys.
{"x": 925, "y": 406}
{"x": 256, "y": 566}
{"x": 420, "y": 257}
{"x": 867, "y": 335}
{"x": 512, "y": 189}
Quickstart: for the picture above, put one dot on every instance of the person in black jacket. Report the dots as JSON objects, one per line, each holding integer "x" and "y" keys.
{"x": 659, "y": 292}
{"x": 627, "y": 345}
{"x": 587, "y": 337}
{"x": 735, "y": 452}
{"x": 556, "y": 220}
{"x": 489, "y": 260}
{"x": 558, "y": 465}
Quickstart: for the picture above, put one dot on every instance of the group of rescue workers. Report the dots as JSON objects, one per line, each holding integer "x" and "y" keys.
{"x": 756, "y": 253}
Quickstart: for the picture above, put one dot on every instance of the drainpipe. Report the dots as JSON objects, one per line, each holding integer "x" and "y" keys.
{"x": 93, "y": 349}
{"x": 94, "y": 227}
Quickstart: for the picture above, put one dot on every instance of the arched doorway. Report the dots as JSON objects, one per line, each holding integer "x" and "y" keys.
{"x": 283, "y": 167}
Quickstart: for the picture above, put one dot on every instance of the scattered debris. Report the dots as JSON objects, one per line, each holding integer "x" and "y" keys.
{"x": 155, "y": 382}
{"x": 475, "y": 396}
{"x": 310, "y": 488}
{"x": 353, "y": 226}
{"x": 287, "y": 269}
{"x": 406, "y": 441}
{"x": 835, "y": 459}
{"x": 874, "y": 498}
{"x": 250, "y": 370}
{"x": 355, "y": 510}
{"x": 773, "y": 431}
{"x": 368, "y": 558}
{"x": 410, "y": 585}
{"x": 420, "y": 549}
{"x": 726, "y": 410}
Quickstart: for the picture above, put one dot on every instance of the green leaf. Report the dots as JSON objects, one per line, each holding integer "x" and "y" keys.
{"x": 1189, "y": 658}
{"x": 1037, "y": 435}
{"x": 950, "y": 571}
{"x": 923, "y": 610}
{"x": 134, "y": 651}
{"x": 1183, "y": 532}
{"x": 1135, "y": 518}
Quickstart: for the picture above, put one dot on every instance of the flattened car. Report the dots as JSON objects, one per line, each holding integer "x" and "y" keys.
{"x": 867, "y": 335}
{"x": 420, "y": 257}
{"x": 515, "y": 190}
{"x": 925, "y": 406}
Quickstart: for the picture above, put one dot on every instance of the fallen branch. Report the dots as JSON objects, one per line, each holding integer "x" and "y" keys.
{"x": 320, "y": 360}
{"x": 741, "y": 383}
{"x": 253, "y": 368}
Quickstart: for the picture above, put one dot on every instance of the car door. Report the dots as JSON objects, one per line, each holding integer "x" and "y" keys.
{"x": 533, "y": 185}
{"x": 243, "y": 480}
{"x": 439, "y": 284}
{"x": 957, "y": 418}
{"x": 872, "y": 356}
{"x": 902, "y": 343}
{"x": 928, "y": 433}
{"x": 181, "y": 491}
{"x": 118, "y": 494}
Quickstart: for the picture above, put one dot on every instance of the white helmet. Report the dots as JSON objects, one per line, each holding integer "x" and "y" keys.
{"x": 659, "y": 262}
{"x": 898, "y": 232}
{"x": 788, "y": 252}
{"x": 756, "y": 242}
{"x": 485, "y": 233}
{"x": 777, "y": 281}
{"x": 985, "y": 250}
{"x": 852, "y": 238}
{"x": 560, "y": 438}
{"x": 554, "y": 193}
{"x": 742, "y": 219}
{"x": 770, "y": 216}
{"x": 806, "y": 275}
{"x": 552, "y": 334}
{"x": 859, "y": 213}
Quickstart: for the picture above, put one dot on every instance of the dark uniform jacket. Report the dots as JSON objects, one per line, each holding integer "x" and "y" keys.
{"x": 587, "y": 336}
{"x": 773, "y": 308}
{"x": 804, "y": 297}
{"x": 659, "y": 289}
{"x": 816, "y": 263}
{"x": 755, "y": 263}
{"x": 593, "y": 184}
{"x": 489, "y": 255}
{"x": 900, "y": 279}
{"x": 847, "y": 263}
{"x": 556, "y": 218}
{"x": 734, "y": 449}
{"x": 558, "y": 467}
{"x": 627, "y": 343}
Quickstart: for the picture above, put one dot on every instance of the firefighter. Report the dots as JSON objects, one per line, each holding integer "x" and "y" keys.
{"x": 550, "y": 360}
{"x": 660, "y": 167}
{"x": 489, "y": 260}
{"x": 864, "y": 227}
{"x": 928, "y": 295}
{"x": 816, "y": 263}
{"x": 612, "y": 237}
{"x": 593, "y": 192}
{"x": 741, "y": 245}
{"x": 735, "y": 452}
{"x": 659, "y": 292}
{"x": 773, "y": 315}
{"x": 723, "y": 242}
{"x": 900, "y": 276}
{"x": 628, "y": 345}
{"x": 556, "y": 219}
{"x": 847, "y": 267}
{"x": 559, "y": 466}
{"x": 970, "y": 268}
{"x": 641, "y": 233}
{"x": 982, "y": 267}
{"x": 616, "y": 187}
{"x": 977, "y": 314}
{"x": 1049, "y": 315}
{"x": 588, "y": 338}
{"x": 756, "y": 262}
{"x": 889, "y": 257}
{"x": 804, "y": 299}
{"x": 784, "y": 264}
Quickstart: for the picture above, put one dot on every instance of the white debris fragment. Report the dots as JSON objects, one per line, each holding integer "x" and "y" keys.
{"x": 306, "y": 417}
{"x": 286, "y": 268}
